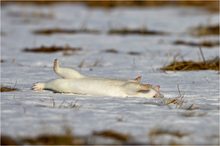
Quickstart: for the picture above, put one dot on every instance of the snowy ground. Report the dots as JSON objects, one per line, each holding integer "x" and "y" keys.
{"x": 29, "y": 113}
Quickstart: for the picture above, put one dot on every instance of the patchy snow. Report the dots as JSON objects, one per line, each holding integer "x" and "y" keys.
{"x": 29, "y": 113}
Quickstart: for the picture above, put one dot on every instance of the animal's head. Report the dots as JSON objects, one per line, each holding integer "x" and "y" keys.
{"x": 143, "y": 90}
{"x": 150, "y": 91}
{"x": 157, "y": 91}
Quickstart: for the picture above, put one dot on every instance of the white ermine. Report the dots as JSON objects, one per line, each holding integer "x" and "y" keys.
{"x": 74, "y": 82}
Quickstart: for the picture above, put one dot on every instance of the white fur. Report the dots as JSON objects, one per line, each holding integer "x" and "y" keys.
{"x": 73, "y": 82}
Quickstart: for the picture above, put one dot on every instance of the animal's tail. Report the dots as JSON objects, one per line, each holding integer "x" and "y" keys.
{"x": 67, "y": 73}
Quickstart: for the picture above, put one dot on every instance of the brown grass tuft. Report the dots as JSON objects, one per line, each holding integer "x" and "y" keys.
{"x": 138, "y": 31}
{"x": 208, "y": 44}
{"x": 211, "y": 6}
{"x": 54, "y": 140}
{"x": 205, "y": 30}
{"x": 63, "y": 31}
{"x": 212, "y": 64}
{"x": 134, "y": 53}
{"x": 52, "y": 49}
{"x": 7, "y": 89}
{"x": 114, "y": 51}
{"x": 113, "y": 134}
{"x": 7, "y": 140}
{"x": 67, "y": 138}
{"x": 162, "y": 131}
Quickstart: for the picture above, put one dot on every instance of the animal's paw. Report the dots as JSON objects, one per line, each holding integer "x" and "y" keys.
{"x": 38, "y": 86}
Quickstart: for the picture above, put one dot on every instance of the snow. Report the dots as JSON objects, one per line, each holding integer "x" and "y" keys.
{"x": 29, "y": 113}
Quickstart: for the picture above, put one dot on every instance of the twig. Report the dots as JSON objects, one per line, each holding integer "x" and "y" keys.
{"x": 179, "y": 90}
{"x": 203, "y": 58}
{"x": 62, "y": 103}
{"x": 53, "y": 102}
{"x": 15, "y": 84}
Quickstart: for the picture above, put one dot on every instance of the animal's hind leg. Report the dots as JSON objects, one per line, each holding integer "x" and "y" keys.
{"x": 67, "y": 73}
{"x": 38, "y": 86}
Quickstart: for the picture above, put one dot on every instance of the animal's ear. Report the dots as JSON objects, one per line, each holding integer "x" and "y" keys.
{"x": 138, "y": 79}
{"x": 157, "y": 87}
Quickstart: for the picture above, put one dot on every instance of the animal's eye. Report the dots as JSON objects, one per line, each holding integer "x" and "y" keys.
{"x": 154, "y": 96}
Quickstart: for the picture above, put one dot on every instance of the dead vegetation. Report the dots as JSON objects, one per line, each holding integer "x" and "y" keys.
{"x": 2, "y": 61}
{"x": 67, "y": 139}
{"x": 91, "y": 64}
{"x": 207, "y": 44}
{"x": 165, "y": 131}
{"x": 113, "y": 135}
{"x": 113, "y": 51}
{"x": 7, "y": 140}
{"x": 64, "y": 104}
{"x": 211, "y": 64}
{"x": 205, "y": 30}
{"x": 45, "y": 139}
{"x": 137, "y": 31}
{"x": 52, "y": 49}
{"x": 157, "y": 132}
{"x": 51, "y": 31}
{"x": 134, "y": 53}
{"x": 212, "y": 6}
{"x": 178, "y": 101}
{"x": 8, "y": 89}
{"x": 53, "y": 140}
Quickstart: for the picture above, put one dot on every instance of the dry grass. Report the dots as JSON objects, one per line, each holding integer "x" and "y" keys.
{"x": 163, "y": 131}
{"x": 113, "y": 135}
{"x": 138, "y": 31}
{"x": 134, "y": 53}
{"x": 8, "y": 89}
{"x": 54, "y": 140}
{"x": 64, "y": 31}
{"x": 158, "y": 132}
{"x": 212, "y": 6}
{"x": 2, "y": 61}
{"x": 64, "y": 104}
{"x": 205, "y": 30}
{"x": 7, "y": 140}
{"x": 178, "y": 101}
{"x": 91, "y": 64}
{"x": 113, "y": 51}
{"x": 67, "y": 139}
{"x": 207, "y": 44}
{"x": 212, "y": 64}
{"x": 52, "y": 49}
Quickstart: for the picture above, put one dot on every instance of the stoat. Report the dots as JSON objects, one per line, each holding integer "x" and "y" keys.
{"x": 72, "y": 81}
